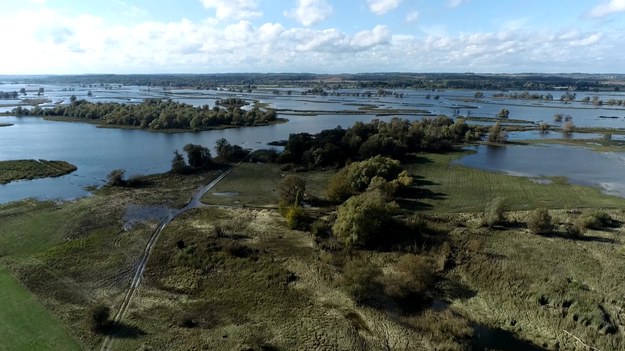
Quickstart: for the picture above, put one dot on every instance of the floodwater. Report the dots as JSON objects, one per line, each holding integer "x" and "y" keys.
{"x": 580, "y": 165}
{"x": 97, "y": 151}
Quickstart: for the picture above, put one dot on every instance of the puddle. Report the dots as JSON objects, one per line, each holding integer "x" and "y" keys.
{"x": 226, "y": 194}
{"x": 137, "y": 214}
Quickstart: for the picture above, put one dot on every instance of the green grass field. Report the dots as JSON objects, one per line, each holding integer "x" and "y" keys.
{"x": 25, "y": 324}
{"x": 454, "y": 188}
{"x": 256, "y": 185}
{"x": 31, "y": 169}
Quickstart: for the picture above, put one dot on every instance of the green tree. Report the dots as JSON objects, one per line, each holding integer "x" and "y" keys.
{"x": 178, "y": 164}
{"x": 198, "y": 156}
{"x": 73, "y": 98}
{"x": 362, "y": 217}
{"x": 292, "y": 189}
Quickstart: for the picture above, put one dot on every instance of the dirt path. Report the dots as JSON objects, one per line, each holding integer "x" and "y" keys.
{"x": 145, "y": 255}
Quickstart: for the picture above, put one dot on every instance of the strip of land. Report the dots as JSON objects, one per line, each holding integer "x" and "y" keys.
{"x": 13, "y": 170}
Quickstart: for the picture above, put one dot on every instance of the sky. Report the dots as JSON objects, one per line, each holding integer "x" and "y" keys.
{"x": 316, "y": 36}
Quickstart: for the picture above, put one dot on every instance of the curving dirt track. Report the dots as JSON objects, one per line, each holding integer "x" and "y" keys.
{"x": 195, "y": 202}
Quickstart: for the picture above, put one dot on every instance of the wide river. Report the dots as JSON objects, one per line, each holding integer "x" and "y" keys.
{"x": 97, "y": 151}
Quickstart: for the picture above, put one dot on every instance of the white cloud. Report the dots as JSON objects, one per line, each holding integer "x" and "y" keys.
{"x": 309, "y": 12}
{"x": 233, "y": 9}
{"x": 60, "y": 43}
{"x": 380, "y": 7}
{"x": 455, "y": 3}
{"x": 412, "y": 16}
{"x": 608, "y": 8}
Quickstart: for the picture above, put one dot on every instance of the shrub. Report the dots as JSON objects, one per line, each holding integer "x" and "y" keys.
{"x": 292, "y": 189}
{"x": 338, "y": 188}
{"x": 558, "y": 117}
{"x": 594, "y": 220}
{"x": 98, "y": 318}
{"x": 116, "y": 178}
{"x": 360, "y": 280}
{"x": 497, "y": 134}
{"x": 540, "y": 222}
{"x": 320, "y": 229}
{"x": 568, "y": 128}
{"x": 178, "y": 164}
{"x": 413, "y": 276}
{"x": 362, "y": 217}
{"x": 573, "y": 231}
{"x": 296, "y": 218}
{"x": 495, "y": 212}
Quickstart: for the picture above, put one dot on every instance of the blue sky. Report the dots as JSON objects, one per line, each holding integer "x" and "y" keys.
{"x": 319, "y": 36}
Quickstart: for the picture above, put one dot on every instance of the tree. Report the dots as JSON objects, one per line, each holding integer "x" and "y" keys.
{"x": 178, "y": 164}
{"x": 362, "y": 217}
{"x": 567, "y": 129}
{"x": 98, "y": 318}
{"x": 198, "y": 156}
{"x": 504, "y": 113}
{"x": 478, "y": 95}
{"x": 558, "y": 117}
{"x": 89, "y": 93}
{"x": 73, "y": 98}
{"x": 338, "y": 188}
{"x": 497, "y": 134}
{"x": 292, "y": 189}
{"x": 495, "y": 212}
{"x": 540, "y": 222}
{"x": 116, "y": 178}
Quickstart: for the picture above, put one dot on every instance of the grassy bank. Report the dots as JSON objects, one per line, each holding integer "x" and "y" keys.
{"x": 30, "y": 169}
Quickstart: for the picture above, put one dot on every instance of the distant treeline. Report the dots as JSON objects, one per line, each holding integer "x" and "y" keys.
{"x": 155, "y": 114}
{"x": 396, "y": 139}
{"x": 249, "y": 81}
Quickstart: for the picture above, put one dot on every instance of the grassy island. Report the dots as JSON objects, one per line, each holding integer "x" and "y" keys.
{"x": 31, "y": 169}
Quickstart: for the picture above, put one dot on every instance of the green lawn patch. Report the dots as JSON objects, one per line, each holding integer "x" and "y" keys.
{"x": 24, "y": 322}
{"x": 30, "y": 169}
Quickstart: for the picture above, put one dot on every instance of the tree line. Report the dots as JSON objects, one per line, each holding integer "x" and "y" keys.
{"x": 8, "y": 95}
{"x": 156, "y": 114}
{"x": 397, "y": 138}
